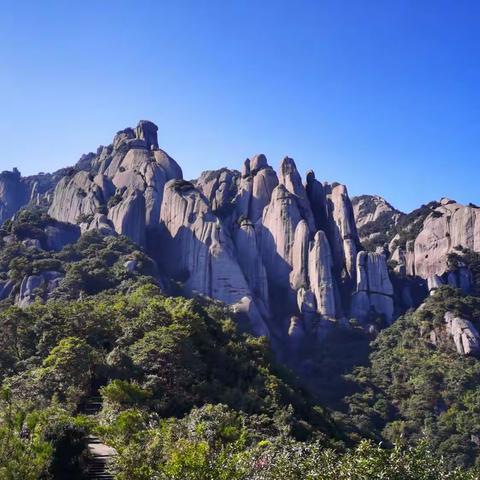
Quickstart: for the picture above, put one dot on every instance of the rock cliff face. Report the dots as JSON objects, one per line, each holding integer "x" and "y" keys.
{"x": 124, "y": 185}
{"x": 14, "y": 194}
{"x": 269, "y": 245}
{"x": 38, "y": 286}
{"x": 343, "y": 231}
{"x": 374, "y": 292}
{"x": 419, "y": 244}
{"x": 320, "y": 272}
{"x": 448, "y": 226}
{"x": 369, "y": 208}
{"x": 283, "y": 252}
{"x": 17, "y": 192}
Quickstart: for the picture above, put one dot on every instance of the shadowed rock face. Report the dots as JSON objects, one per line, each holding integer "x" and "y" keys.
{"x": 342, "y": 230}
{"x": 14, "y": 194}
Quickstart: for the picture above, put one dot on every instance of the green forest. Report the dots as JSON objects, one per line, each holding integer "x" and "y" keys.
{"x": 186, "y": 394}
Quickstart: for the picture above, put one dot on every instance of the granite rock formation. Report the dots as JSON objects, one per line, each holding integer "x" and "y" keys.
{"x": 283, "y": 252}
{"x": 374, "y": 291}
{"x": 14, "y": 194}
{"x": 464, "y": 335}
{"x": 450, "y": 225}
{"x": 123, "y": 190}
{"x": 370, "y": 208}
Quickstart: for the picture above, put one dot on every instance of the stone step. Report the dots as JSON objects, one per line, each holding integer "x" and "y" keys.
{"x": 99, "y": 453}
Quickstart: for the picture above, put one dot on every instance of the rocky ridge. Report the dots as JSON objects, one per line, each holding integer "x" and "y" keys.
{"x": 285, "y": 253}
{"x": 269, "y": 245}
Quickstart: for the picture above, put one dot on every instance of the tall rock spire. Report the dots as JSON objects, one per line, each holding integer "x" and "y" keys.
{"x": 290, "y": 178}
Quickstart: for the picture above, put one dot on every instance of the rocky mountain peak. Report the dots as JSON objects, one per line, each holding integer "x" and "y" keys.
{"x": 147, "y": 131}
{"x": 273, "y": 247}
{"x": 258, "y": 162}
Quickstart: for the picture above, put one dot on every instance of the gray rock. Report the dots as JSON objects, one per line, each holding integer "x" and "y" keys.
{"x": 434, "y": 282}
{"x": 368, "y": 208}
{"x": 134, "y": 163}
{"x": 101, "y": 223}
{"x": 251, "y": 263}
{"x": 410, "y": 257}
{"x": 257, "y": 163}
{"x": 39, "y": 286}
{"x": 128, "y": 216}
{"x": 342, "y": 230}
{"x": 122, "y": 136}
{"x": 382, "y": 304}
{"x": 196, "y": 247}
{"x": 307, "y": 305}
{"x": 290, "y": 178}
{"x": 464, "y": 334}
{"x": 9, "y": 239}
{"x": 449, "y": 226}
{"x": 75, "y": 197}
{"x": 32, "y": 243}
{"x": 296, "y": 332}
{"x": 374, "y": 289}
{"x": 263, "y": 183}
{"x": 169, "y": 165}
{"x": 280, "y": 219}
{"x": 318, "y": 201}
{"x": 6, "y": 289}
{"x": 130, "y": 265}
{"x": 299, "y": 273}
{"x": 360, "y": 306}
{"x": 28, "y": 289}
{"x": 372, "y": 274}
{"x": 247, "y": 306}
{"x": 147, "y": 131}
{"x": 461, "y": 278}
{"x": 320, "y": 267}
{"x": 246, "y": 168}
{"x": 14, "y": 194}
{"x": 220, "y": 188}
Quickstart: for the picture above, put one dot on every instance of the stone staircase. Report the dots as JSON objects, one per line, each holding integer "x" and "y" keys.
{"x": 92, "y": 406}
{"x": 99, "y": 454}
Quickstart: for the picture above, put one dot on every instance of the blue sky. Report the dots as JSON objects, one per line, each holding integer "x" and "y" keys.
{"x": 383, "y": 96}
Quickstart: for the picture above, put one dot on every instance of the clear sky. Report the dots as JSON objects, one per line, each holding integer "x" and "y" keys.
{"x": 383, "y": 96}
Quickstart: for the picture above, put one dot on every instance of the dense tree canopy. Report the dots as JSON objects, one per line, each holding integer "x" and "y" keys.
{"x": 187, "y": 395}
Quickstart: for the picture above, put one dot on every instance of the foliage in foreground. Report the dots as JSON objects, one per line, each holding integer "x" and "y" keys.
{"x": 187, "y": 396}
{"x": 214, "y": 442}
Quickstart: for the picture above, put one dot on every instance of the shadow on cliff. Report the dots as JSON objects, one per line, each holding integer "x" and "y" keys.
{"x": 163, "y": 248}
{"x": 323, "y": 367}
{"x": 282, "y": 297}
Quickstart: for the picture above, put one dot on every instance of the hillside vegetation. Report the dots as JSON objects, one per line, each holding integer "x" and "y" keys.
{"x": 187, "y": 395}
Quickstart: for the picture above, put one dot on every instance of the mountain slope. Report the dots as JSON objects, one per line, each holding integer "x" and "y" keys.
{"x": 95, "y": 259}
